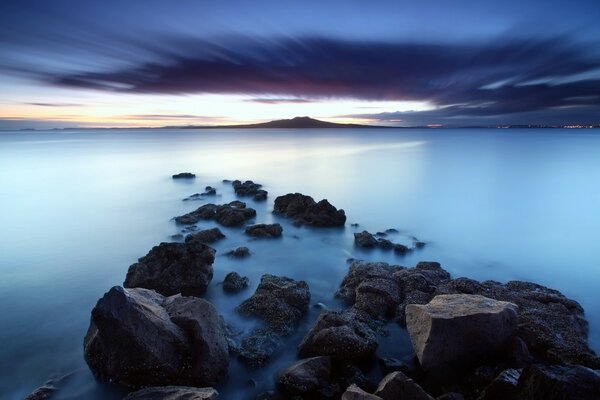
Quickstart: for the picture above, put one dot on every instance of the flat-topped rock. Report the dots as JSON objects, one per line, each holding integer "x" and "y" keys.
{"x": 206, "y": 236}
{"x": 452, "y": 331}
{"x": 305, "y": 211}
{"x": 172, "y": 268}
{"x": 264, "y": 230}
{"x": 234, "y": 213}
{"x": 184, "y": 175}
{"x": 174, "y": 393}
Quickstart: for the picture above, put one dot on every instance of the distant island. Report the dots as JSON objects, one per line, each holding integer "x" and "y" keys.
{"x": 297, "y": 123}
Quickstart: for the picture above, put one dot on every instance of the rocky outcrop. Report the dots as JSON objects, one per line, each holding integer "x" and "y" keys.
{"x": 174, "y": 393}
{"x": 172, "y": 268}
{"x": 367, "y": 240}
{"x": 232, "y": 214}
{"x": 398, "y": 386}
{"x": 138, "y": 337}
{"x": 343, "y": 336}
{"x": 305, "y": 211}
{"x": 42, "y": 393}
{"x": 206, "y": 236}
{"x": 208, "y": 191}
{"x": 234, "y": 283}
{"x": 184, "y": 175}
{"x": 280, "y": 303}
{"x": 559, "y": 382}
{"x": 305, "y": 377}
{"x": 239, "y": 252}
{"x": 453, "y": 331}
{"x": 249, "y": 188}
{"x": 264, "y": 230}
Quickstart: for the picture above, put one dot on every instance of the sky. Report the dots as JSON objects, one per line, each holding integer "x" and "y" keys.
{"x": 118, "y": 63}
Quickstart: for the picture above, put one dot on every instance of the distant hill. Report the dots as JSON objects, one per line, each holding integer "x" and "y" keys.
{"x": 298, "y": 122}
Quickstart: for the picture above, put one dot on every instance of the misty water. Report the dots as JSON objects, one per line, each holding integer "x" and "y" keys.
{"x": 78, "y": 207}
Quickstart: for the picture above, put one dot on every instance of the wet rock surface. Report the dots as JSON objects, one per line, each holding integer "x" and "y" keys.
{"x": 249, "y": 188}
{"x": 184, "y": 175}
{"x": 234, "y": 283}
{"x": 42, "y": 393}
{"x": 305, "y": 211}
{"x": 398, "y": 386}
{"x": 206, "y": 236}
{"x": 138, "y": 337}
{"x": 174, "y": 393}
{"x": 264, "y": 230}
{"x": 239, "y": 252}
{"x": 234, "y": 213}
{"x": 367, "y": 240}
{"x": 172, "y": 268}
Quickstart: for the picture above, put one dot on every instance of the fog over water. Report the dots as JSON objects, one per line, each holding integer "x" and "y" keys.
{"x": 78, "y": 207}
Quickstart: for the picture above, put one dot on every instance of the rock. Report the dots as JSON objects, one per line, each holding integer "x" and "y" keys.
{"x": 137, "y": 337}
{"x": 385, "y": 244}
{"x": 174, "y": 393}
{"x": 177, "y": 236}
{"x": 132, "y": 340}
{"x": 381, "y": 234}
{"x": 42, "y": 393}
{"x": 195, "y": 196}
{"x": 365, "y": 239}
{"x": 306, "y": 375}
{"x": 355, "y": 393}
{"x": 240, "y": 252}
{"x": 392, "y": 230}
{"x": 559, "y": 382}
{"x": 419, "y": 245}
{"x": 305, "y": 211}
{"x": 389, "y": 365}
{"x": 279, "y": 301}
{"x": 172, "y": 268}
{"x": 184, "y": 175}
{"x": 400, "y": 248}
{"x": 451, "y": 396}
{"x": 340, "y": 335}
{"x": 206, "y": 236}
{"x": 452, "y": 331}
{"x": 234, "y": 283}
{"x": 504, "y": 386}
{"x": 249, "y": 188}
{"x": 233, "y": 214}
{"x": 258, "y": 347}
{"x": 355, "y": 225}
{"x": 398, "y": 386}
{"x": 260, "y": 195}
{"x": 359, "y": 272}
{"x": 264, "y": 230}
{"x": 209, "y": 191}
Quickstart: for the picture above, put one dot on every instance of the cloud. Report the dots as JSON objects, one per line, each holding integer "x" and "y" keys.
{"x": 475, "y": 79}
{"x": 55, "y": 104}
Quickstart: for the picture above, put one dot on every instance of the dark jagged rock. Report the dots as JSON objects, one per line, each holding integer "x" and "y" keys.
{"x": 258, "y": 347}
{"x": 184, "y": 175}
{"x": 353, "y": 392}
{"x": 392, "y": 230}
{"x": 504, "y": 386}
{"x": 306, "y": 376}
{"x": 400, "y": 249}
{"x": 249, "y": 188}
{"x": 172, "y": 268}
{"x": 137, "y": 337}
{"x": 174, "y": 393}
{"x": 209, "y": 191}
{"x": 195, "y": 196}
{"x": 264, "y": 230}
{"x": 239, "y": 252}
{"x": 365, "y": 239}
{"x": 42, "y": 393}
{"x": 233, "y": 214}
{"x": 452, "y": 332}
{"x": 206, "y": 236}
{"x": 340, "y": 335}
{"x": 389, "y": 365}
{"x": 279, "y": 301}
{"x": 398, "y": 386}
{"x": 261, "y": 195}
{"x": 305, "y": 211}
{"x": 234, "y": 283}
{"x": 559, "y": 382}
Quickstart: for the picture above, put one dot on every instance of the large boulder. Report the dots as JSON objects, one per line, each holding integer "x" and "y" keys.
{"x": 453, "y": 331}
{"x": 138, "y": 337}
{"x": 279, "y": 301}
{"x": 559, "y": 382}
{"x": 305, "y": 211}
{"x": 174, "y": 393}
{"x": 264, "y": 230}
{"x": 396, "y": 386}
{"x": 339, "y": 335}
{"x": 172, "y": 268}
{"x": 306, "y": 376}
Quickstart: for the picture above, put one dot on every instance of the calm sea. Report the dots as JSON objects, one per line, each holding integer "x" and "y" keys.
{"x": 78, "y": 207}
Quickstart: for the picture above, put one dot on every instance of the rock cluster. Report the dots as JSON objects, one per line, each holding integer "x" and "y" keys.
{"x": 367, "y": 240}
{"x": 138, "y": 337}
{"x": 249, "y": 188}
{"x": 305, "y": 211}
{"x": 233, "y": 214}
{"x": 172, "y": 268}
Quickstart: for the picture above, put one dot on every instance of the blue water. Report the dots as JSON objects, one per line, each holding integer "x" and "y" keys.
{"x": 78, "y": 207}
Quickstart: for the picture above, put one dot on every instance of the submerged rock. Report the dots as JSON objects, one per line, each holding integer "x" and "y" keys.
{"x": 452, "y": 331}
{"x": 42, "y": 393}
{"x": 234, "y": 213}
{"x": 306, "y": 376}
{"x": 172, "y": 268}
{"x": 184, "y": 175}
{"x": 239, "y": 252}
{"x": 305, "y": 211}
{"x": 206, "y": 236}
{"x": 264, "y": 230}
{"x": 138, "y": 337}
{"x": 174, "y": 393}
{"x": 234, "y": 283}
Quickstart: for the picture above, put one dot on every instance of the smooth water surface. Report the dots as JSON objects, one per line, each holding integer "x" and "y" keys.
{"x": 78, "y": 207}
